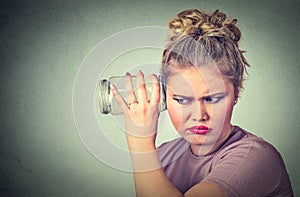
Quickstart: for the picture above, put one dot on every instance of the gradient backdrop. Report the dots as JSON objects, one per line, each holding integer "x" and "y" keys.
{"x": 42, "y": 46}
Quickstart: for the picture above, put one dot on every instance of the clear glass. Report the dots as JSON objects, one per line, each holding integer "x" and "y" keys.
{"x": 108, "y": 105}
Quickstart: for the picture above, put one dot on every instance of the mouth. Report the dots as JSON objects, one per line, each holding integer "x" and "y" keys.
{"x": 200, "y": 130}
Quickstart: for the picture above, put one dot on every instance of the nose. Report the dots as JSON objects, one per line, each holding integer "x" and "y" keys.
{"x": 199, "y": 112}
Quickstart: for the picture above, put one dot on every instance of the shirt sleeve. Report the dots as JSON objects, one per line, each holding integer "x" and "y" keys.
{"x": 250, "y": 168}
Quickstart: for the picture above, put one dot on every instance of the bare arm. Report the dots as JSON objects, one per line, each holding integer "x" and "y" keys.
{"x": 206, "y": 189}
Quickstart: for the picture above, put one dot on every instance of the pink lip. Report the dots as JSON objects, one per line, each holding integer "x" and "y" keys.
{"x": 202, "y": 130}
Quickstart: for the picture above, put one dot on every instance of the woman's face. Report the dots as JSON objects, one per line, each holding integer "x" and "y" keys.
{"x": 200, "y": 103}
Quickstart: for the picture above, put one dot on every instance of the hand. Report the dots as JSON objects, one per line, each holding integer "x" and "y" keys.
{"x": 141, "y": 117}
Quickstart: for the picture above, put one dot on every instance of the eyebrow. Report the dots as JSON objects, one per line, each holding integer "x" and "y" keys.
{"x": 212, "y": 95}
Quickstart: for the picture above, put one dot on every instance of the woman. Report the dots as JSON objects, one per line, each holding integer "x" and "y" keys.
{"x": 203, "y": 69}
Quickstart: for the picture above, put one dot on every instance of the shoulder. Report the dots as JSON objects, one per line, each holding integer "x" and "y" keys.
{"x": 247, "y": 165}
{"x": 251, "y": 150}
{"x": 250, "y": 145}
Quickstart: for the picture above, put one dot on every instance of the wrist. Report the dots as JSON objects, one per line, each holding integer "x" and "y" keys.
{"x": 145, "y": 161}
{"x": 141, "y": 144}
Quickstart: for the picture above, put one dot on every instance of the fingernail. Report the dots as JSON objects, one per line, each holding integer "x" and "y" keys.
{"x": 140, "y": 73}
{"x": 154, "y": 76}
{"x": 112, "y": 87}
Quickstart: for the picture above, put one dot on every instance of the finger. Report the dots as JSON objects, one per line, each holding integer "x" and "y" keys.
{"x": 155, "y": 92}
{"x": 141, "y": 88}
{"x": 119, "y": 99}
{"x": 129, "y": 89}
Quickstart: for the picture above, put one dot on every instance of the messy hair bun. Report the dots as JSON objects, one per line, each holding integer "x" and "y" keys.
{"x": 202, "y": 25}
{"x": 198, "y": 38}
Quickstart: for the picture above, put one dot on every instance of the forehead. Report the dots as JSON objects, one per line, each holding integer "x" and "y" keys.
{"x": 203, "y": 80}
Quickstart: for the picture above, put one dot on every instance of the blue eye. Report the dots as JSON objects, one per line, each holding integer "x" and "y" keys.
{"x": 213, "y": 100}
{"x": 183, "y": 101}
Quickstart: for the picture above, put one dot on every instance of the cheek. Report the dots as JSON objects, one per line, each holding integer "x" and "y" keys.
{"x": 229, "y": 108}
{"x": 222, "y": 114}
{"x": 228, "y": 113}
{"x": 175, "y": 114}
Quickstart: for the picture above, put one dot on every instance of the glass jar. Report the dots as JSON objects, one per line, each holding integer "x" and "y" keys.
{"x": 108, "y": 105}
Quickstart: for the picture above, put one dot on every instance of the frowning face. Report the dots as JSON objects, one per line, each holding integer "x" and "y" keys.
{"x": 200, "y": 103}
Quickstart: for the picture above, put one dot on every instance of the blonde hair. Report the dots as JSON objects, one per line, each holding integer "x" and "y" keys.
{"x": 197, "y": 38}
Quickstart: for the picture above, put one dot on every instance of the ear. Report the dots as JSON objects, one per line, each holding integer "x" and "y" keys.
{"x": 236, "y": 95}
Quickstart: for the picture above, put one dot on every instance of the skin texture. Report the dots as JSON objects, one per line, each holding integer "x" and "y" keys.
{"x": 141, "y": 119}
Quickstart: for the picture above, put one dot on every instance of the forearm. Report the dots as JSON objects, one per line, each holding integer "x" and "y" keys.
{"x": 154, "y": 183}
{"x": 141, "y": 120}
{"x": 150, "y": 178}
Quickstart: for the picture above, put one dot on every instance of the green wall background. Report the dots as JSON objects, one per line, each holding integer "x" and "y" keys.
{"x": 42, "y": 46}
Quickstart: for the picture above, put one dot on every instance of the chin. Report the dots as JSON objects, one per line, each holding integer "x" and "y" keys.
{"x": 201, "y": 140}
{"x": 195, "y": 139}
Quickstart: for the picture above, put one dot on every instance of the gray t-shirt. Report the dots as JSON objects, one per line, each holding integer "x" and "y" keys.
{"x": 245, "y": 165}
